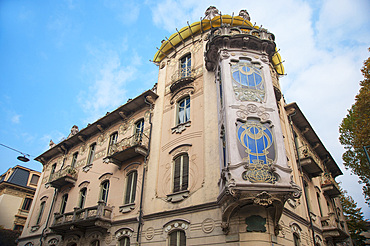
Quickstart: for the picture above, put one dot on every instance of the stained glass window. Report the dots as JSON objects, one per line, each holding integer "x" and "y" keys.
{"x": 248, "y": 82}
{"x": 257, "y": 149}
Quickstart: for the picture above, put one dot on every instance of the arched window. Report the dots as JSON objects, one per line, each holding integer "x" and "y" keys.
{"x": 81, "y": 202}
{"x": 64, "y": 203}
{"x": 181, "y": 173}
{"x": 177, "y": 238}
{"x": 296, "y": 239}
{"x": 131, "y": 187}
{"x": 183, "y": 110}
{"x": 185, "y": 66}
{"x": 41, "y": 211}
{"x": 125, "y": 241}
{"x": 139, "y": 128}
{"x": 90, "y": 159}
{"x": 104, "y": 191}
{"x": 29, "y": 244}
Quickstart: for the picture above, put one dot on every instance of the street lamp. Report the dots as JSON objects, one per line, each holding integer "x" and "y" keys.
{"x": 21, "y": 157}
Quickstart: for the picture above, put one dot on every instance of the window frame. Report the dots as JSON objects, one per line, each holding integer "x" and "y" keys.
{"x": 131, "y": 183}
{"x": 124, "y": 241}
{"x": 183, "y": 173}
{"x": 139, "y": 129}
{"x": 74, "y": 159}
{"x": 90, "y": 158}
{"x": 82, "y": 198}
{"x": 41, "y": 211}
{"x": 63, "y": 204}
{"x": 176, "y": 234}
{"x": 112, "y": 140}
{"x": 186, "y": 108}
{"x": 185, "y": 67}
{"x": 27, "y": 202}
{"x": 104, "y": 191}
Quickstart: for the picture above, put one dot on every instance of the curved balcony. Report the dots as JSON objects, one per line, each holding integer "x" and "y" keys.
{"x": 96, "y": 217}
{"x": 333, "y": 228}
{"x": 128, "y": 148}
{"x": 62, "y": 177}
{"x": 181, "y": 78}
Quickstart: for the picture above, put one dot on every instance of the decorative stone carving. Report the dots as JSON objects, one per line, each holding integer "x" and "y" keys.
{"x": 263, "y": 199}
{"x": 53, "y": 241}
{"x": 178, "y": 196}
{"x": 208, "y": 225}
{"x": 211, "y": 12}
{"x": 181, "y": 127}
{"x": 74, "y": 131}
{"x": 124, "y": 232}
{"x": 176, "y": 225}
{"x": 149, "y": 234}
{"x": 243, "y": 13}
{"x": 127, "y": 208}
{"x": 87, "y": 168}
{"x": 252, "y": 109}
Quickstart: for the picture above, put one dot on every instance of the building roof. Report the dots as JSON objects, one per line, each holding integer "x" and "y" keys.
{"x": 19, "y": 176}
{"x": 302, "y": 123}
{"x": 207, "y": 24}
{"x": 109, "y": 119}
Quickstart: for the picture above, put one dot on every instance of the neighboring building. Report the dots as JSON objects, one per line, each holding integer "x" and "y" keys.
{"x": 212, "y": 155}
{"x": 17, "y": 189}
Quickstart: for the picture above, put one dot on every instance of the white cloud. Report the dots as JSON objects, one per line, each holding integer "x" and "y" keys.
{"x": 16, "y": 118}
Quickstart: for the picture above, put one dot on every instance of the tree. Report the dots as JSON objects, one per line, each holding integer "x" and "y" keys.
{"x": 355, "y": 219}
{"x": 355, "y": 133}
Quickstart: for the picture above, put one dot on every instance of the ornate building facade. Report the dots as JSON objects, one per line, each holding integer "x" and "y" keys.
{"x": 17, "y": 189}
{"x": 212, "y": 155}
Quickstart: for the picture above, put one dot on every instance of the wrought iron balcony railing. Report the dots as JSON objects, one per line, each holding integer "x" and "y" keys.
{"x": 128, "y": 148}
{"x": 181, "y": 78}
{"x": 64, "y": 176}
{"x": 330, "y": 187}
{"x": 332, "y": 227}
{"x": 309, "y": 162}
{"x": 98, "y": 217}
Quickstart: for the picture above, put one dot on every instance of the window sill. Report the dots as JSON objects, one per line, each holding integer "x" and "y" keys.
{"x": 181, "y": 127}
{"x": 178, "y": 196}
{"x": 87, "y": 168}
{"x": 127, "y": 208}
{"x": 35, "y": 228}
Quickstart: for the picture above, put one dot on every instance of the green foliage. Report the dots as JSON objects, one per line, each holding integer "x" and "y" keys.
{"x": 355, "y": 219}
{"x": 355, "y": 133}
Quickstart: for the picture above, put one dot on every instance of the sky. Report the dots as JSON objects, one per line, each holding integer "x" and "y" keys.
{"x": 67, "y": 62}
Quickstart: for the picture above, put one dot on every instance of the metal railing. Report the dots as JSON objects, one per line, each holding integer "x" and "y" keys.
{"x": 182, "y": 73}
{"x": 66, "y": 171}
{"x": 100, "y": 211}
{"x": 137, "y": 139}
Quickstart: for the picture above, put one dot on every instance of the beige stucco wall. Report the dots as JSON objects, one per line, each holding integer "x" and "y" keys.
{"x": 9, "y": 205}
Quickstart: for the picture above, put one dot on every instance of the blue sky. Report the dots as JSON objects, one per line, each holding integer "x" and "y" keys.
{"x": 65, "y": 63}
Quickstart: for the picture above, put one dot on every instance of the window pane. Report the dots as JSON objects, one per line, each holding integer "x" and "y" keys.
{"x": 185, "y": 172}
{"x": 82, "y": 198}
{"x": 34, "y": 179}
{"x": 41, "y": 211}
{"x": 124, "y": 241}
{"x": 64, "y": 203}
{"x": 104, "y": 191}
{"x": 177, "y": 238}
{"x": 74, "y": 159}
{"x": 91, "y": 154}
{"x": 27, "y": 204}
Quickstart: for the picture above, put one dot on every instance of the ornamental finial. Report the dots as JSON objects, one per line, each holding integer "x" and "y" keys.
{"x": 245, "y": 15}
{"x": 211, "y": 12}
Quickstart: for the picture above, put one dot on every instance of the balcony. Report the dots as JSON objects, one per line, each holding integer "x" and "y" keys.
{"x": 128, "y": 148}
{"x": 309, "y": 163}
{"x": 97, "y": 217}
{"x": 65, "y": 176}
{"x": 330, "y": 187}
{"x": 181, "y": 78}
{"x": 332, "y": 228}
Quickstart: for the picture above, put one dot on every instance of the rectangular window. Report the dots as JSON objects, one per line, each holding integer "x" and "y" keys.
{"x": 90, "y": 159}
{"x": 112, "y": 140}
{"x": 181, "y": 173}
{"x": 185, "y": 66}
{"x": 41, "y": 211}
{"x": 82, "y": 198}
{"x": 131, "y": 188}
{"x": 18, "y": 228}
{"x": 34, "y": 179}
{"x": 183, "y": 110}
{"x": 139, "y": 128}
{"x": 64, "y": 203}
{"x": 74, "y": 159}
{"x": 177, "y": 238}
{"x": 27, "y": 204}
{"x": 104, "y": 191}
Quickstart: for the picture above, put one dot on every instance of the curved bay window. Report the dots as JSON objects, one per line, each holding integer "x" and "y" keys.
{"x": 185, "y": 66}
{"x": 257, "y": 148}
{"x": 181, "y": 173}
{"x": 125, "y": 241}
{"x": 183, "y": 110}
{"x": 248, "y": 81}
{"x": 177, "y": 238}
{"x": 131, "y": 187}
{"x": 104, "y": 191}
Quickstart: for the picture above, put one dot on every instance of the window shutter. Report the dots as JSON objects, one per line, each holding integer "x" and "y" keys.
{"x": 182, "y": 239}
{"x": 134, "y": 174}
{"x": 176, "y": 186}
{"x": 185, "y": 172}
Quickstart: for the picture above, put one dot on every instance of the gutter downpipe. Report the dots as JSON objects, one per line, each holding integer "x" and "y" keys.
{"x": 301, "y": 174}
{"x": 47, "y": 221}
{"x": 138, "y": 238}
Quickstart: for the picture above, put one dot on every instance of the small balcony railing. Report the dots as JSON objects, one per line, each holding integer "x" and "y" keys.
{"x": 62, "y": 177}
{"x": 98, "y": 217}
{"x": 181, "y": 78}
{"x": 330, "y": 187}
{"x": 309, "y": 162}
{"x": 128, "y": 148}
{"x": 332, "y": 227}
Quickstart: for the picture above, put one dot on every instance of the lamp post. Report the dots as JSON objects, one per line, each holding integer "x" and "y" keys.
{"x": 21, "y": 157}
{"x": 367, "y": 154}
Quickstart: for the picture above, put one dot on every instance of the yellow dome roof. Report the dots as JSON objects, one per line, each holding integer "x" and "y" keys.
{"x": 204, "y": 25}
